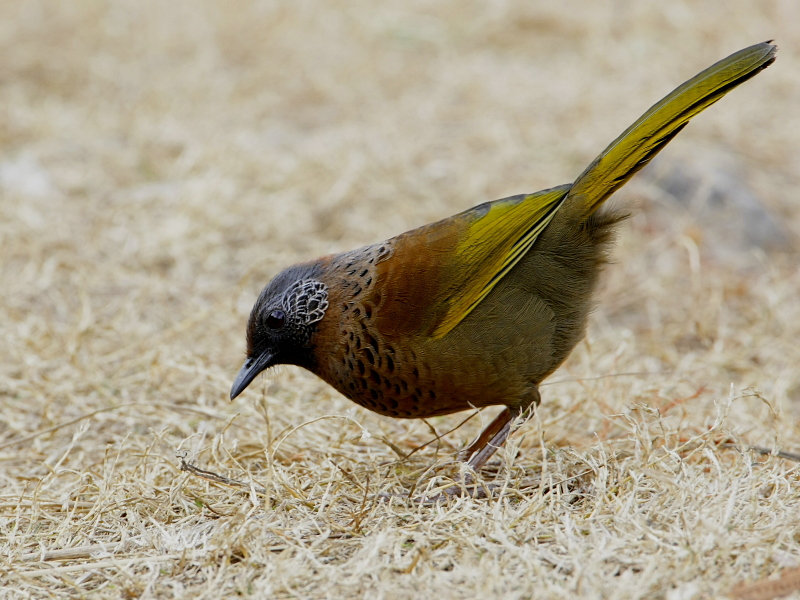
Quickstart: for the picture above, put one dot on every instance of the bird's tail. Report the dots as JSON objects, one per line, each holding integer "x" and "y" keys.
{"x": 646, "y": 137}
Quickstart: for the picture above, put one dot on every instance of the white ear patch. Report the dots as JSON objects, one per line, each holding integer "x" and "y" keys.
{"x": 306, "y": 301}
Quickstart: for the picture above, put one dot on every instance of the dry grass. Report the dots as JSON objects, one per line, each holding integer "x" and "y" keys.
{"x": 160, "y": 161}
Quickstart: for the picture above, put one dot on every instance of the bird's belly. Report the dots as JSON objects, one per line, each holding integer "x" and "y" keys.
{"x": 417, "y": 389}
{"x": 490, "y": 358}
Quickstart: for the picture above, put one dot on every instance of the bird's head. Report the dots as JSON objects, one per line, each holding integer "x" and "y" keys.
{"x": 282, "y": 323}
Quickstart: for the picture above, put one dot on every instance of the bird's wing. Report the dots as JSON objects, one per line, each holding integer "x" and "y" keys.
{"x": 437, "y": 274}
{"x": 490, "y": 239}
{"x": 493, "y": 237}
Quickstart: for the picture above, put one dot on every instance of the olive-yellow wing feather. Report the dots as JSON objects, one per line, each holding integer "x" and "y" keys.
{"x": 497, "y": 235}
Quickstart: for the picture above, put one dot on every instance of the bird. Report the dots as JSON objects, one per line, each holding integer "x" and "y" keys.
{"x": 479, "y": 308}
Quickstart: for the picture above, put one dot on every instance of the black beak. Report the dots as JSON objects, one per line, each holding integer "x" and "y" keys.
{"x": 250, "y": 369}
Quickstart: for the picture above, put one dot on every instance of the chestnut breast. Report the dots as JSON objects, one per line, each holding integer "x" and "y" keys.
{"x": 375, "y": 345}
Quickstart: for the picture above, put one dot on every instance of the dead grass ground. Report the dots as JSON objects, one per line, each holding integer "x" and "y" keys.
{"x": 160, "y": 161}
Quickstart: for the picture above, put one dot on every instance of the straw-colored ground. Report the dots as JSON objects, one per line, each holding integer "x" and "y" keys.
{"x": 160, "y": 161}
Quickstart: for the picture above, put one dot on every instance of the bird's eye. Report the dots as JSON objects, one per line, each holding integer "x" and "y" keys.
{"x": 276, "y": 319}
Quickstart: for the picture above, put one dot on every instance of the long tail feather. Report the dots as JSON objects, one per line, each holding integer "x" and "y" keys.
{"x": 646, "y": 137}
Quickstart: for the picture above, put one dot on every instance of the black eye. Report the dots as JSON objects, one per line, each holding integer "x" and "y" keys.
{"x": 276, "y": 319}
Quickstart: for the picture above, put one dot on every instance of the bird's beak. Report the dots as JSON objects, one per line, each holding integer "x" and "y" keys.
{"x": 250, "y": 369}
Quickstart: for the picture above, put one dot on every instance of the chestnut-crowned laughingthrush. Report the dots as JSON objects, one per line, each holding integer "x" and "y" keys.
{"x": 476, "y": 309}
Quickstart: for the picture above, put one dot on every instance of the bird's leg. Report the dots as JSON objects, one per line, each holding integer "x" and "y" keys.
{"x": 487, "y": 435}
{"x": 497, "y": 432}
{"x": 490, "y": 439}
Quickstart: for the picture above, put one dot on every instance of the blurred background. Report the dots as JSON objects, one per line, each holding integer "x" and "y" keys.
{"x": 161, "y": 161}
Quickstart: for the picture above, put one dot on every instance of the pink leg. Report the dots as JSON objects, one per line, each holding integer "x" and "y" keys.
{"x": 491, "y": 438}
{"x": 496, "y": 433}
{"x": 490, "y": 434}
